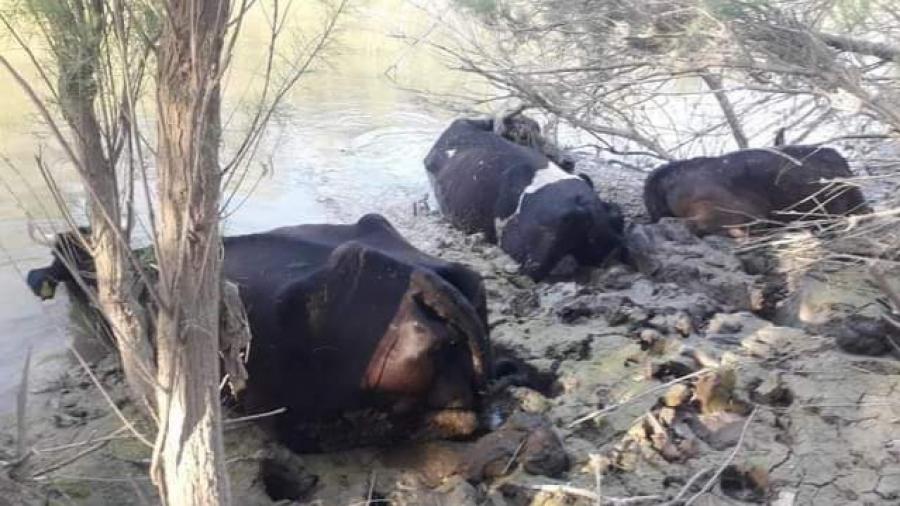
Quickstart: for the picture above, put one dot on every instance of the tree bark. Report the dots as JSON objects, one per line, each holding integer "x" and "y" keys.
{"x": 118, "y": 301}
{"x": 188, "y": 100}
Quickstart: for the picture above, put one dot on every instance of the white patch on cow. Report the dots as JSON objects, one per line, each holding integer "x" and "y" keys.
{"x": 450, "y": 152}
{"x": 546, "y": 176}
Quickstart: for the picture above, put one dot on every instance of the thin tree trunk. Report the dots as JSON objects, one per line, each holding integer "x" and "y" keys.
{"x": 189, "y": 130}
{"x": 115, "y": 278}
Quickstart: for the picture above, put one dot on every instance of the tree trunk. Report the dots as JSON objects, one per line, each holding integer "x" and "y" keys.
{"x": 117, "y": 298}
{"x": 189, "y": 130}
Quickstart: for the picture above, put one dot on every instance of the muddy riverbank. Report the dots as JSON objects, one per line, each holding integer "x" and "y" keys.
{"x": 667, "y": 383}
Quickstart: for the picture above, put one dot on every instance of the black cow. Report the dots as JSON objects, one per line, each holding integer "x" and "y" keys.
{"x": 68, "y": 252}
{"x": 538, "y": 212}
{"x": 720, "y": 195}
{"x": 347, "y": 318}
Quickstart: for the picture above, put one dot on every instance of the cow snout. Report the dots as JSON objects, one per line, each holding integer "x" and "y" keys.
{"x": 41, "y": 283}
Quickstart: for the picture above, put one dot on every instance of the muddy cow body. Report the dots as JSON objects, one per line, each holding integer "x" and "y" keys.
{"x": 347, "y": 319}
{"x": 717, "y": 195}
{"x": 513, "y": 194}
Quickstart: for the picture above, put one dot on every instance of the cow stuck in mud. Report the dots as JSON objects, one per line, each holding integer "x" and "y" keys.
{"x": 515, "y": 195}
{"x": 345, "y": 319}
{"x": 352, "y": 317}
{"x": 724, "y": 194}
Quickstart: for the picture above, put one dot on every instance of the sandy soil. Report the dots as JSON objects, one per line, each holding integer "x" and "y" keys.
{"x": 771, "y": 410}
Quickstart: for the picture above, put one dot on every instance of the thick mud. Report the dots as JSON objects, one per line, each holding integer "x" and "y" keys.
{"x": 699, "y": 374}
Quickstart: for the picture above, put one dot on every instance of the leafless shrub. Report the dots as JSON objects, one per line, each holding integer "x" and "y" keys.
{"x": 654, "y": 80}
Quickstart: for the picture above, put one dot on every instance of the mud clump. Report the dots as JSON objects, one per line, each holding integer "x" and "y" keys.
{"x": 668, "y": 252}
{"x": 283, "y": 482}
{"x": 525, "y": 439}
{"x": 644, "y": 374}
{"x": 745, "y": 484}
{"x": 844, "y": 302}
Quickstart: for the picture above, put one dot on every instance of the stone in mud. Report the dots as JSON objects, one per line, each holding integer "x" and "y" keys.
{"x": 525, "y": 439}
{"x": 773, "y": 341}
{"x": 720, "y": 430}
{"x": 529, "y": 400}
{"x": 732, "y": 323}
{"x": 524, "y": 303}
{"x": 772, "y": 392}
{"x": 590, "y": 305}
{"x": 676, "y": 395}
{"x": 679, "y": 323}
{"x": 668, "y": 252}
{"x": 714, "y": 391}
{"x": 651, "y": 340}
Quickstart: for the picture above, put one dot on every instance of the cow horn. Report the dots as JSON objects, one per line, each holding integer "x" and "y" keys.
{"x": 448, "y": 302}
{"x": 779, "y": 136}
{"x": 39, "y": 236}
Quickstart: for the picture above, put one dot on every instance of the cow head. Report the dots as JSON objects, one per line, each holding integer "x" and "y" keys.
{"x": 68, "y": 253}
{"x": 395, "y": 333}
{"x": 560, "y": 218}
{"x": 522, "y": 130}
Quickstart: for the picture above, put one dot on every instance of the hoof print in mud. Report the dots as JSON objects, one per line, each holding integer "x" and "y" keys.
{"x": 282, "y": 481}
{"x": 748, "y": 484}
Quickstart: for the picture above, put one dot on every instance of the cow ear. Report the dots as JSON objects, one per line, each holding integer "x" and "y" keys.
{"x": 587, "y": 180}
{"x": 779, "y": 136}
{"x": 301, "y": 303}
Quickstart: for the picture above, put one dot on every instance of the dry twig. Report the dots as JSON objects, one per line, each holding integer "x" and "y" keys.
{"x": 726, "y": 462}
{"x": 601, "y": 412}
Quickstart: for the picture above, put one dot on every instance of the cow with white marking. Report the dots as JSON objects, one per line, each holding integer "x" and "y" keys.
{"x": 515, "y": 195}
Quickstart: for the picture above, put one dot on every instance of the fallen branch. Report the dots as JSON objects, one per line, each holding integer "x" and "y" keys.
{"x": 600, "y": 412}
{"x": 515, "y": 455}
{"x": 726, "y": 462}
{"x": 587, "y": 494}
{"x": 257, "y": 416}
{"x": 110, "y": 437}
{"x": 21, "y": 406}
{"x": 109, "y": 400}
{"x": 687, "y": 487}
{"x": 849, "y": 44}
{"x": 73, "y": 458}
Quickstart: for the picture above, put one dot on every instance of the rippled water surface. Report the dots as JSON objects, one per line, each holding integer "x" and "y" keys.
{"x": 347, "y": 142}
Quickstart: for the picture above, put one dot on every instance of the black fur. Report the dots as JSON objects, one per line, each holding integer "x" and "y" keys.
{"x": 479, "y": 177}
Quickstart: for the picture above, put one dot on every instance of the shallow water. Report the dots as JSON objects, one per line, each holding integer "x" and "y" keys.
{"x": 346, "y": 142}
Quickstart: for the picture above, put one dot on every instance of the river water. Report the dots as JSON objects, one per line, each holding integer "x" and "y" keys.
{"x": 346, "y": 142}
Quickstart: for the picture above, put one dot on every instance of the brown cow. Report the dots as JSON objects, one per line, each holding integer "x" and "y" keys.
{"x": 720, "y": 195}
